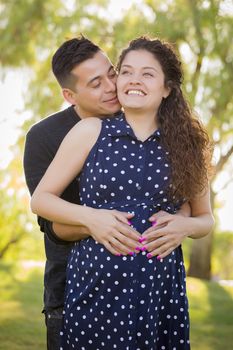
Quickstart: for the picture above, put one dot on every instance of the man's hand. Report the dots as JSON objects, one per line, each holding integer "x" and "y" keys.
{"x": 167, "y": 233}
{"x": 112, "y": 229}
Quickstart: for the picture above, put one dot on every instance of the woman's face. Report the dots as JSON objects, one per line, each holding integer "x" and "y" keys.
{"x": 140, "y": 83}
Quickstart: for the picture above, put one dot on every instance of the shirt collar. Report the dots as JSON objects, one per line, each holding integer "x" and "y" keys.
{"x": 118, "y": 126}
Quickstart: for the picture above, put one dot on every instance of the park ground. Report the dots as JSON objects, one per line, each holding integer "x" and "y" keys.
{"x": 22, "y": 324}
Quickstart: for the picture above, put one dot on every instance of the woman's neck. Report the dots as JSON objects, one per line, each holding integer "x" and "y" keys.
{"x": 143, "y": 124}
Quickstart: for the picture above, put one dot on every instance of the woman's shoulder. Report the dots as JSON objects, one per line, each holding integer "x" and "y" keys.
{"x": 88, "y": 124}
{"x": 84, "y": 134}
{"x": 86, "y": 127}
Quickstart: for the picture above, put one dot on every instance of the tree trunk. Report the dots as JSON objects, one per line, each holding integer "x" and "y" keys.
{"x": 200, "y": 257}
{"x": 201, "y": 252}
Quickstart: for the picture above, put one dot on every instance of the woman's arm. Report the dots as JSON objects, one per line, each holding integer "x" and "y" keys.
{"x": 170, "y": 230}
{"x": 201, "y": 221}
{"x": 117, "y": 236}
{"x": 65, "y": 166}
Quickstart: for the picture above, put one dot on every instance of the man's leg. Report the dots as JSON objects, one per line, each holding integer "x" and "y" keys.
{"x": 53, "y": 321}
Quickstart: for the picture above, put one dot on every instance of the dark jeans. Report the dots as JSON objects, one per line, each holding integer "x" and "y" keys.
{"x": 53, "y": 321}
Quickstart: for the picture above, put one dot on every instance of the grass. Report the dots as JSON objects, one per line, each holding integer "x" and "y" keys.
{"x": 211, "y": 306}
{"x": 22, "y": 324}
{"x": 21, "y": 321}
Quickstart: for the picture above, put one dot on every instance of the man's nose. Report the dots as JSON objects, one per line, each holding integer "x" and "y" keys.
{"x": 110, "y": 85}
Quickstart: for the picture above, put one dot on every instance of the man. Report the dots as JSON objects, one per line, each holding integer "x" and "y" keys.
{"x": 88, "y": 82}
{"x": 95, "y": 96}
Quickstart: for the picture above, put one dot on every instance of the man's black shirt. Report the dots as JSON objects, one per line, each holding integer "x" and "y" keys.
{"x": 42, "y": 143}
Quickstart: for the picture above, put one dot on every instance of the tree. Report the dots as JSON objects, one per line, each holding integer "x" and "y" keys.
{"x": 201, "y": 30}
{"x": 29, "y": 29}
{"x": 202, "y": 33}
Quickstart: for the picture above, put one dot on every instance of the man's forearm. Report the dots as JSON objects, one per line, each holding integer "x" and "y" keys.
{"x": 70, "y": 232}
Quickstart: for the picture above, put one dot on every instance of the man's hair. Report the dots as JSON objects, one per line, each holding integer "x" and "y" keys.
{"x": 71, "y": 53}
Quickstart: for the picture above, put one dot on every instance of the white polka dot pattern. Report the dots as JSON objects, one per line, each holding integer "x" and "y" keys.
{"x": 127, "y": 302}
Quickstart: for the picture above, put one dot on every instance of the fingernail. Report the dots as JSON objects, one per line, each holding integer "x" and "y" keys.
{"x": 158, "y": 257}
{"x": 118, "y": 254}
{"x": 154, "y": 223}
{"x": 141, "y": 239}
{"x": 149, "y": 255}
{"x": 129, "y": 222}
{"x": 132, "y": 254}
{"x": 143, "y": 248}
{"x": 138, "y": 248}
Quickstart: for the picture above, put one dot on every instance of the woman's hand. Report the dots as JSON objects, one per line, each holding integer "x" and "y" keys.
{"x": 112, "y": 229}
{"x": 166, "y": 234}
{"x": 168, "y": 231}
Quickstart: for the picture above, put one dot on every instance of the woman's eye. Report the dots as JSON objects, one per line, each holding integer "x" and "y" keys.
{"x": 124, "y": 72}
{"x": 148, "y": 74}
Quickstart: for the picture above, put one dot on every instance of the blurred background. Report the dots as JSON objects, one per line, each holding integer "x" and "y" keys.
{"x": 30, "y": 32}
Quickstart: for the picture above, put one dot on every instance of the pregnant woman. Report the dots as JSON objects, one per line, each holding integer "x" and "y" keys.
{"x": 154, "y": 156}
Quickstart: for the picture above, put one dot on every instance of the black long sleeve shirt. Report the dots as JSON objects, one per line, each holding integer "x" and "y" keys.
{"x": 42, "y": 143}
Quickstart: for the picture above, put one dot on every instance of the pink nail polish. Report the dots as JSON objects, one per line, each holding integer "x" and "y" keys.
{"x": 154, "y": 223}
{"x": 118, "y": 254}
{"x": 142, "y": 239}
{"x": 149, "y": 255}
{"x": 131, "y": 253}
{"x": 143, "y": 248}
{"x": 138, "y": 248}
{"x": 158, "y": 257}
{"x": 129, "y": 222}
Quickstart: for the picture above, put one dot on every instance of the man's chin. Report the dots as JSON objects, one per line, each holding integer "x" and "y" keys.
{"x": 111, "y": 111}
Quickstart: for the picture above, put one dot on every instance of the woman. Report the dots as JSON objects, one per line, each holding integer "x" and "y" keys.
{"x": 155, "y": 156}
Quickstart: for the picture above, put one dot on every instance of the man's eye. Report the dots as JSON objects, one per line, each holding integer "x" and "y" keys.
{"x": 112, "y": 74}
{"x": 96, "y": 86}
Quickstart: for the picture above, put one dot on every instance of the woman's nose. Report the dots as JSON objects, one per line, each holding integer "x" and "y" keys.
{"x": 134, "y": 79}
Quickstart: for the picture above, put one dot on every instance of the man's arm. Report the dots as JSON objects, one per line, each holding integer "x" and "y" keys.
{"x": 70, "y": 233}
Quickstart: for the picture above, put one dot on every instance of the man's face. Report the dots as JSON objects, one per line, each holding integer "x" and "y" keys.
{"x": 95, "y": 90}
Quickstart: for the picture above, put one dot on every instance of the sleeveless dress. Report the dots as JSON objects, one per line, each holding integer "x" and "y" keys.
{"x": 126, "y": 302}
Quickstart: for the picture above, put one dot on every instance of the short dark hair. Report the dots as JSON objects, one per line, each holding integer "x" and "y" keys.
{"x": 71, "y": 53}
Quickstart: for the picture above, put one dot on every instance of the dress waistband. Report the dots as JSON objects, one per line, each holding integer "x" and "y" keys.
{"x": 132, "y": 205}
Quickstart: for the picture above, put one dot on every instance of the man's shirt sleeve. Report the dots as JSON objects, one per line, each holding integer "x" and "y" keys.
{"x": 38, "y": 154}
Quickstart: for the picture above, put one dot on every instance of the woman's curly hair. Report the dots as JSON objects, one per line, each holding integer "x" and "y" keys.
{"x": 182, "y": 134}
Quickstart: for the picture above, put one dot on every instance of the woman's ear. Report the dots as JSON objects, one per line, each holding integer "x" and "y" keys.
{"x": 168, "y": 89}
{"x": 166, "y": 92}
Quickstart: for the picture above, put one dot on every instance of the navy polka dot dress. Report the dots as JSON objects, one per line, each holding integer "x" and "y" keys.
{"x": 126, "y": 302}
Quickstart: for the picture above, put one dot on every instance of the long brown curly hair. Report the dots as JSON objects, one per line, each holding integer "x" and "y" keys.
{"x": 182, "y": 134}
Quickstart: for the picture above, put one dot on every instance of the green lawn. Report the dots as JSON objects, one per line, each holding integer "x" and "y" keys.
{"x": 21, "y": 321}
{"x": 22, "y": 324}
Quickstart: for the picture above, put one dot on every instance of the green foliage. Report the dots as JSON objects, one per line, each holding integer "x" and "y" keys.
{"x": 201, "y": 30}
{"x": 18, "y": 237}
{"x": 221, "y": 260}
{"x": 223, "y": 256}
